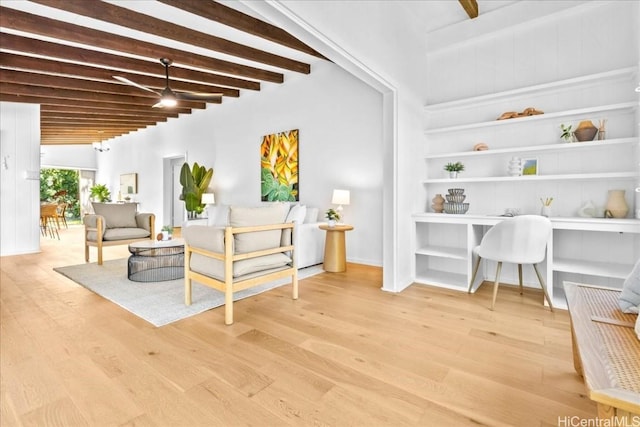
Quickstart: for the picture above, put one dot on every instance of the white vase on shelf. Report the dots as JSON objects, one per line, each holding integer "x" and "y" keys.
{"x": 515, "y": 166}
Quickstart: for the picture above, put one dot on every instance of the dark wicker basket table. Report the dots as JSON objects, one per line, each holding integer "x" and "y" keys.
{"x": 156, "y": 261}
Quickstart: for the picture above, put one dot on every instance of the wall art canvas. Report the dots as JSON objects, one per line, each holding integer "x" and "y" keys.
{"x": 279, "y": 167}
{"x": 129, "y": 183}
{"x": 529, "y": 166}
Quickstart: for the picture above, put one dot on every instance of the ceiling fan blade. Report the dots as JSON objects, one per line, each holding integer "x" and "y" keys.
{"x": 129, "y": 82}
{"x": 192, "y": 96}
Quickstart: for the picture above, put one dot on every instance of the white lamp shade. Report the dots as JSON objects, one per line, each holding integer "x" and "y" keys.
{"x": 208, "y": 199}
{"x": 340, "y": 197}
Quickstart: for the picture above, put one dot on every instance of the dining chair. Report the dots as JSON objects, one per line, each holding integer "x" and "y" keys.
{"x": 61, "y": 215}
{"x": 48, "y": 220}
{"x": 519, "y": 240}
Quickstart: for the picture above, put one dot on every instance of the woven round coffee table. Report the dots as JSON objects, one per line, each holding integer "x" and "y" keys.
{"x": 156, "y": 261}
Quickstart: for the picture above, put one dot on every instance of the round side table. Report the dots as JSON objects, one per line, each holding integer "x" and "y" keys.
{"x": 335, "y": 256}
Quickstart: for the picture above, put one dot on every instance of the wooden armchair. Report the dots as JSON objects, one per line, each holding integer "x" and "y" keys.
{"x": 115, "y": 224}
{"x": 238, "y": 257}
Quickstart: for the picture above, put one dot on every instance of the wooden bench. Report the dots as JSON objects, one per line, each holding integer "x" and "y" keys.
{"x": 606, "y": 351}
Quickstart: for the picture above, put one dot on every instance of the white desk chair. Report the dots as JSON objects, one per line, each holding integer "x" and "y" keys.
{"x": 519, "y": 240}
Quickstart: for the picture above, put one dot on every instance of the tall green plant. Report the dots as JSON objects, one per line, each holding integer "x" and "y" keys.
{"x": 195, "y": 181}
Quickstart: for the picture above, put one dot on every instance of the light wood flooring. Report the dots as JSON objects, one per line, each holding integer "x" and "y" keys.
{"x": 344, "y": 354}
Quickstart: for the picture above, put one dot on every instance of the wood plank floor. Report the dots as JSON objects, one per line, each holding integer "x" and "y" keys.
{"x": 344, "y": 354}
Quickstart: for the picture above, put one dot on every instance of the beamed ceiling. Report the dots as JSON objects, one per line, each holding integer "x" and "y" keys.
{"x": 64, "y": 54}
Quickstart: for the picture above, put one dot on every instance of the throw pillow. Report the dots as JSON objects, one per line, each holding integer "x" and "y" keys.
{"x": 297, "y": 214}
{"x": 259, "y": 240}
{"x": 630, "y": 296}
{"x": 117, "y": 215}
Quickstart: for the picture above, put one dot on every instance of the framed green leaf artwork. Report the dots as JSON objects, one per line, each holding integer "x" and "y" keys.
{"x": 279, "y": 167}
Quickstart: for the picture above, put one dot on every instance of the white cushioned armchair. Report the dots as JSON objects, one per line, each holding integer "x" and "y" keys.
{"x": 255, "y": 248}
{"x": 116, "y": 224}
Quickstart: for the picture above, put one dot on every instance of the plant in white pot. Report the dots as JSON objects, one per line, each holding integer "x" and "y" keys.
{"x": 454, "y": 168}
{"x": 332, "y": 216}
{"x": 167, "y": 232}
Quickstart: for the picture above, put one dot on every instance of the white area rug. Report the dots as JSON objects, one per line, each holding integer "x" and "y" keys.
{"x": 159, "y": 303}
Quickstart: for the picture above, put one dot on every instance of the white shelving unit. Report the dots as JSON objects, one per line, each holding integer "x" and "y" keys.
{"x": 445, "y": 262}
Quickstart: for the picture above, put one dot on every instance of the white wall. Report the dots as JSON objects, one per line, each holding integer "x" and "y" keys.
{"x": 340, "y": 123}
{"x": 80, "y": 156}
{"x": 19, "y": 183}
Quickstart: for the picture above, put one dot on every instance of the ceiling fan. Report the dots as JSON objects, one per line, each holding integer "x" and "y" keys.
{"x": 169, "y": 98}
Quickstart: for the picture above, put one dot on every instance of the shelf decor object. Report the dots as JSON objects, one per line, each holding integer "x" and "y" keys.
{"x": 454, "y": 203}
{"x": 438, "y": 203}
{"x": 616, "y": 206}
{"x": 529, "y": 166}
{"x": 586, "y": 131}
{"x": 515, "y": 166}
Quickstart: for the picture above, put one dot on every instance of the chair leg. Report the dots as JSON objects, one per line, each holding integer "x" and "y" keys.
{"x": 520, "y": 277}
{"x": 228, "y": 304}
{"x": 495, "y": 285}
{"x": 544, "y": 287}
{"x": 473, "y": 276}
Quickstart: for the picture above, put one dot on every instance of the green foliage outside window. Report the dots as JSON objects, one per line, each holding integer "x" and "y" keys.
{"x": 61, "y": 185}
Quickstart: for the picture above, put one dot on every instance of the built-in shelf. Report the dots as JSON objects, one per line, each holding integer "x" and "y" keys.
{"x": 444, "y": 279}
{"x": 440, "y": 265}
{"x": 627, "y": 72}
{"x": 520, "y": 120}
{"x": 593, "y": 268}
{"x": 557, "y": 147}
{"x": 534, "y": 178}
{"x": 443, "y": 251}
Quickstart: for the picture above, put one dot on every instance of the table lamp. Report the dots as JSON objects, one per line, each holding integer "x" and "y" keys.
{"x": 340, "y": 197}
{"x": 207, "y": 199}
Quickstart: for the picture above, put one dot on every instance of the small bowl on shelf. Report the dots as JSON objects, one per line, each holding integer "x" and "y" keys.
{"x": 456, "y": 208}
{"x": 455, "y": 198}
{"x": 456, "y": 191}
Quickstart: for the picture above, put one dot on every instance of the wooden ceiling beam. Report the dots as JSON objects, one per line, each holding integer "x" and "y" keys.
{"x": 83, "y": 118}
{"x": 58, "y": 82}
{"x": 76, "y": 54}
{"x": 113, "y": 14}
{"x": 26, "y": 22}
{"x": 69, "y": 110}
{"x": 230, "y": 17}
{"x": 103, "y": 124}
{"x": 48, "y": 92}
{"x": 49, "y": 66}
{"x": 64, "y": 102}
{"x": 471, "y": 7}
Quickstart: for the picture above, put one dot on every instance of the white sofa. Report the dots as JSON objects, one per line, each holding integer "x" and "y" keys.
{"x": 309, "y": 239}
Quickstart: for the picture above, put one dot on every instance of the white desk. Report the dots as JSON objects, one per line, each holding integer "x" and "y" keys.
{"x": 605, "y": 248}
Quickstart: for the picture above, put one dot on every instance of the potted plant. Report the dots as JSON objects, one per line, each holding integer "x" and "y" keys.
{"x": 195, "y": 182}
{"x": 167, "y": 232}
{"x": 567, "y": 134}
{"x": 454, "y": 168}
{"x": 100, "y": 193}
{"x": 332, "y": 215}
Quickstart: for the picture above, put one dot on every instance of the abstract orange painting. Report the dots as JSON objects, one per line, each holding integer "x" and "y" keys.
{"x": 279, "y": 167}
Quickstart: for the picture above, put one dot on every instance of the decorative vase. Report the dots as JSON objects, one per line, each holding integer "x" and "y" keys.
{"x": 586, "y": 131}
{"x": 166, "y": 235}
{"x": 616, "y": 206}
{"x": 332, "y": 223}
{"x": 515, "y": 166}
{"x": 453, "y": 174}
{"x": 438, "y": 203}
